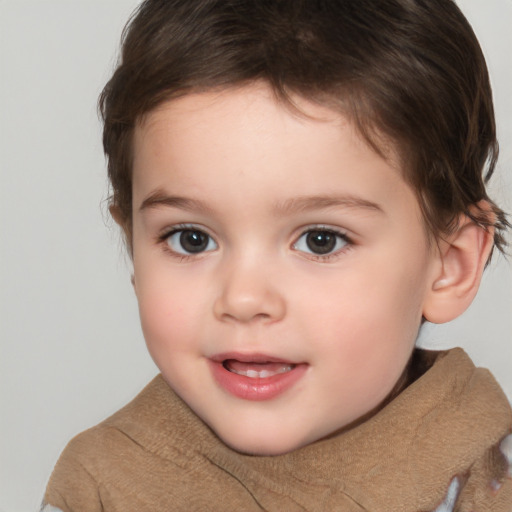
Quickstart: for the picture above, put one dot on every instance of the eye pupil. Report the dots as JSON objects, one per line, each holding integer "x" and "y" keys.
{"x": 193, "y": 241}
{"x": 321, "y": 242}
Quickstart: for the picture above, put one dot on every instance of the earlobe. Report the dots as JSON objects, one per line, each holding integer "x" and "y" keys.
{"x": 462, "y": 257}
{"x": 115, "y": 211}
{"x": 124, "y": 224}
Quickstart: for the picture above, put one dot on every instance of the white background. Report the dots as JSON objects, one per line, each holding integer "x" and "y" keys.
{"x": 71, "y": 350}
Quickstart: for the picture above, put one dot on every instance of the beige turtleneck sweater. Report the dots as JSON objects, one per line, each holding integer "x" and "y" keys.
{"x": 441, "y": 445}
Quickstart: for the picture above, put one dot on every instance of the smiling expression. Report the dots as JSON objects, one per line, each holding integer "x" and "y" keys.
{"x": 280, "y": 265}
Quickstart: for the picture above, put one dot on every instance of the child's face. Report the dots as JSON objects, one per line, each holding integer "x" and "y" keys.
{"x": 280, "y": 266}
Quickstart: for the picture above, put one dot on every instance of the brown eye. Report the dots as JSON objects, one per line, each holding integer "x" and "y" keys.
{"x": 190, "y": 241}
{"x": 321, "y": 242}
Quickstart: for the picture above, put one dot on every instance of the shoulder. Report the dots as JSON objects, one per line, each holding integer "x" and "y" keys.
{"x": 131, "y": 427}
{"x": 107, "y": 454}
{"x": 149, "y": 450}
{"x": 461, "y": 391}
{"x": 467, "y": 423}
{"x": 73, "y": 486}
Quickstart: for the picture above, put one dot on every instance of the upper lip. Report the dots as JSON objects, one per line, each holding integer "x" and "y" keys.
{"x": 249, "y": 358}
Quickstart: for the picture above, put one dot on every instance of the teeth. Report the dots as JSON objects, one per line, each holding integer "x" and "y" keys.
{"x": 261, "y": 374}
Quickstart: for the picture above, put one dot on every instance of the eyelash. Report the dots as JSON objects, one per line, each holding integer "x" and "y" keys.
{"x": 164, "y": 238}
{"x": 349, "y": 243}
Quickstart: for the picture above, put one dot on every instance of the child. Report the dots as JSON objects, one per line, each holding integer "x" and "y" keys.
{"x": 300, "y": 187}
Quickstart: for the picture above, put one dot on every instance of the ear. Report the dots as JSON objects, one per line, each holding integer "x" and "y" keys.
{"x": 124, "y": 224}
{"x": 462, "y": 258}
{"x": 115, "y": 211}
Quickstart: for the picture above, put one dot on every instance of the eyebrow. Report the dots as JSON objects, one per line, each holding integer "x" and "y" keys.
{"x": 288, "y": 207}
{"x": 159, "y": 198}
{"x": 308, "y": 203}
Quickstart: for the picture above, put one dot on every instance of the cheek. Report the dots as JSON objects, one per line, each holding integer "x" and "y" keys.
{"x": 371, "y": 319}
{"x": 369, "y": 304}
{"x": 169, "y": 308}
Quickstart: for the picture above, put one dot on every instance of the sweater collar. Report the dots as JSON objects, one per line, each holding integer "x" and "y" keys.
{"x": 434, "y": 429}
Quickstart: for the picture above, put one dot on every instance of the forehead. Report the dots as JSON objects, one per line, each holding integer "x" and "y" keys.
{"x": 220, "y": 104}
{"x": 248, "y": 136}
{"x": 247, "y": 107}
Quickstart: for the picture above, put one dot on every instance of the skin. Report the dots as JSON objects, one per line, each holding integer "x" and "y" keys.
{"x": 255, "y": 177}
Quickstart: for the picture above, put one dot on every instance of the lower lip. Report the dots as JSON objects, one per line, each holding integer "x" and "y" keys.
{"x": 256, "y": 389}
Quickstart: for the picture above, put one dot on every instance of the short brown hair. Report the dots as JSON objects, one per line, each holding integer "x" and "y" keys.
{"x": 409, "y": 70}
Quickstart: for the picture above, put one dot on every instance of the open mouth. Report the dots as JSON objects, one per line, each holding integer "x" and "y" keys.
{"x": 255, "y": 376}
{"x": 257, "y": 370}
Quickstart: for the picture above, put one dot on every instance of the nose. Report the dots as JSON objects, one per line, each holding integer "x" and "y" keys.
{"x": 248, "y": 294}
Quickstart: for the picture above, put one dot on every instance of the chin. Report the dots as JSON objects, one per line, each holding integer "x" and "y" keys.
{"x": 261, "y": 446}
